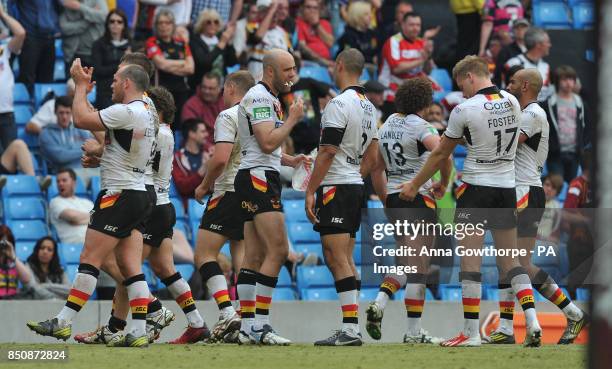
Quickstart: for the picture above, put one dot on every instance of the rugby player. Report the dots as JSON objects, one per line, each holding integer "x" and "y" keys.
{"x": 489, "y": 122}
{"x": 123, "y": 205}
{"x": 348, "y": 139}
{"x": 405, "y": 141}
{"x": 219, "y": 222}
{"x": 531, "y": 155}
{"x": 261, "y": 132}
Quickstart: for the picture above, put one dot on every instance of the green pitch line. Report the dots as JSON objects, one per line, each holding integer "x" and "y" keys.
{"x": 388, "y": 356}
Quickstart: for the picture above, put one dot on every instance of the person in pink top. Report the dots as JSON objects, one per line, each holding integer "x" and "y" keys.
{"x": 497, "y": 18}
{"x": 12, "y": 270}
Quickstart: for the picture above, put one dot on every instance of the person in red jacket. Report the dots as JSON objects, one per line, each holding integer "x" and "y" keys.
{"x": 205, "y": 104}
{"x": 189, "y": 163}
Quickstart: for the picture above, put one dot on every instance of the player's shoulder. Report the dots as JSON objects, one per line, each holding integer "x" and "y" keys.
{"x": 257, "y": 94}
{"x": 535, "y": 111}
{"x": 229, "y": 115}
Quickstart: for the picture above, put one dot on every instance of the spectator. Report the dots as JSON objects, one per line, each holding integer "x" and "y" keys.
{"x": 106, "y": 55}
{"x": 538, "y": 46}
{"x": 519, "y": 27}
{"x": 468, "y": 16}
{"x": 69, "y": 214}
{"x": 565, "y": 112}
{"x": 12, "y": 270}
{"x": 205, "y": 105}
{"x": 61, "y": 143}
{"x": 579, "y": 221}
{"x": 211, "y": 49}
{"x": 82, "y": 23}
{"x": 244, "y": 26}
{"x": 306, "y": 134}
{"x": 189, "y": 163}
{"x": 267, "y": 36}
{"x": 358, "y": 35}
{"x": 403, "y": 56}
{"x": 551, "y": 219}
{"x": 315, "y": 35}
{"x": 375, "y": 92}
{"x": 496, "y": 19}
{"x": 284, "y": 18}
{"x": 8, "y": 46}
{"x": 47, "y": 277}
{"x": 172, "y": 58}
{"x": 388, "y": 29}
{"x": 45, "y": 115}
{"x": 181, "y": 9}
{"x": 37, "y": 59}
{"x": 228, "y": 10}
{"x": 492, "y": 52}
{"x": 435, "y": 116}
{"x": 16, "y": 156}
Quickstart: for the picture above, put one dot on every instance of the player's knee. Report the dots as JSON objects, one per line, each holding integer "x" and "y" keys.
{"x": 18, "y": 145}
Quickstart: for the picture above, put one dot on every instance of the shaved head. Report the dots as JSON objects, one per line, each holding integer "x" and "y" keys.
{"x": 279, "y": 70}
{"x": 532, "y": 76}
{"x": 276, "y": 57}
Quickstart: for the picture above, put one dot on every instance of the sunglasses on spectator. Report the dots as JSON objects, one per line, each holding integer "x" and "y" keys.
{"x": 115, "y": 21}
{"x": 164, "y": 22}
{"x": 212, "y": 21}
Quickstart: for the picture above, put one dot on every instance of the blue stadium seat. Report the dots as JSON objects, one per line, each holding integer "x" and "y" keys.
{"x": 80, "y": 191}
{"x": 302, "y": 233}
{"x": 583, "y": 15}
{"x": 226, "y": 249}
{"x": 315, "y": 276}
{"x": 30, "y": 140}
{"x": 42, "y": 89}
{"x": 375, "y": 204}
{"x": 71, "y": 270}
{"x": 283, "y": 294}
{"x": 178, "y": 208}
{"x": 459, "y": 163}
{"x": 490, "y": 275}
{"x": 233, "y": 68}
{"x": 151, "y": 278}
{"x": 316, "y": 72}
{"x": 28, "y": 230}
{"x": 554, "y": 272}
{"x": 284, "y": 279}
{"x": 365, "y": 75}
{"x": 291, "y": 194}
{"x": 91, "y": 96}
{"x": 194, "y": 209}
{"x": 490, "y": 293}
{"x": 24, "y": 249}
{"x": 24, "y": 208}
{"x": 583, "y": 294}
{"x": 59, "y": 53}
{"x": 308, "y": 248}
{"x": 70, "y": 253}
{"x": 21, "y": 94}
{"x": 319, "y": 294}
{"x": 450, "y": 275}
{"x": 551, "y": 15}
{"x": 450, "y": 292}
{"x": 183, "y": 227}
{"x": 186, "y": 270}
{"x": 21, "y": 185}
{"x": 460, "y": 151}
{"x": 368, "y": 294}
{"x": 23, "y": 114}
{"x": 94, "y": 185}
{"x": 59, "y": 71}
{"x": 563, "y": 194}
{"x": 294, "y": 211}
{"x": 442, "y": 78}
{"x": 357, "y": 254}
{"x": 194, "y": 225}
{"x": 173, "y": 190}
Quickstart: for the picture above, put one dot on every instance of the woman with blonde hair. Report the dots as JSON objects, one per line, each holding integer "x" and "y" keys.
{"x": 358, "y": 34}
{"x": 211, "y": 46}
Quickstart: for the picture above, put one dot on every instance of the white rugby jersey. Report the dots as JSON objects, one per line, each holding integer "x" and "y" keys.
{"x": 129, "y": 145}
{"x": 355, "y": 116}
{"x": 401, "y": 145}
{"x": 542, "y": 67}
{"x": 257, "y": 106}
{"x": 489, "y": 122}
{"x": 226, "y": 130}
{"x": 162, "y": 164}
{"x": 149, "y": 171}
{"x": 531, "y": 154}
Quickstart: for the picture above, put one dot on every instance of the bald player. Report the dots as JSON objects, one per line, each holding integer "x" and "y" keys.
{"x": 261, "y": 131}
{"x": 531, "y": 155}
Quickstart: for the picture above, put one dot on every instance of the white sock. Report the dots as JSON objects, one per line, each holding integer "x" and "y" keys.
{"x": 83, "y": 286}
{"x": 138, "y": 294}
{"x": 181, "y": 292}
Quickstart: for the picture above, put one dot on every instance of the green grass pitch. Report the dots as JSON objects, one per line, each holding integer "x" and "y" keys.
{"x": 377, "y": 356}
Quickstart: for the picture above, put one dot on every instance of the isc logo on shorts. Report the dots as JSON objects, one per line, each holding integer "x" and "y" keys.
{"x": 147, "y": 236}
{"x": 216, "y": 227}
{"x": 337, "y": 220}
{"x": 110, "y": 228}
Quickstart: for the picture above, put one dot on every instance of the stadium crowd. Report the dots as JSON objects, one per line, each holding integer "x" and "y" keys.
{"x": 194, "y": 44}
